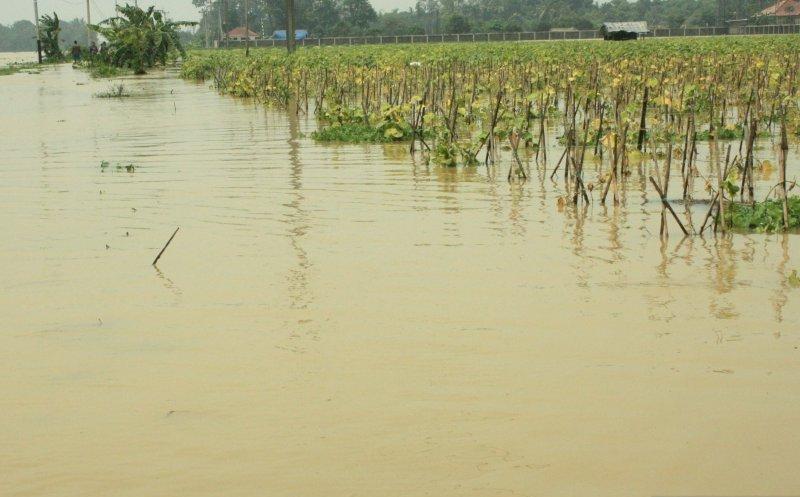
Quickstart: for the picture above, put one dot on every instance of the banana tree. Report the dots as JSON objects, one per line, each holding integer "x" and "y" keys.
{"x": 50, "y": 29}
{"x": 139, "y": 39}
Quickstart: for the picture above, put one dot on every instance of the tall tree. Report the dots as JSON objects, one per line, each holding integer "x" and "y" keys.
{"x": 357, "y": 12}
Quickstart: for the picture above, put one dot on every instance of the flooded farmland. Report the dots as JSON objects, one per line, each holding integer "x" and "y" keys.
{"x": 338, "y": 320}
{"x": 8, "y": 58}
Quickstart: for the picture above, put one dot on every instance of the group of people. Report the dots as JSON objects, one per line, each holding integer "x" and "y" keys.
{"x": 77, "y": 51}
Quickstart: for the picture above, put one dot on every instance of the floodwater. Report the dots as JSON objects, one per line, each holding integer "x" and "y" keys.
{"x": 8, "y": 58}
{"x": 339, "y": 321}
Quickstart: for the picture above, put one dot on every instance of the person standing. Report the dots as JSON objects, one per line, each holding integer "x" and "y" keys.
{"x": 76, "y": 52}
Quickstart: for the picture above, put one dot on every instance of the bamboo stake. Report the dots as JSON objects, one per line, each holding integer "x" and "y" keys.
{"x": 784, "y": 153}
{"x": 666, "y": 188}
{"x": 643, "y": 121}
{"x": 708, "y": 214}
{"x": 669, "y": 207}
{"x": 721, "y": 190}
{"x": 165, "y": 246}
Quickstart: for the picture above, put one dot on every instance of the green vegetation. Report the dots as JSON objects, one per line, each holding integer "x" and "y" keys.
{"x": 50, "y": 32}
{"x": 101, "y": 69}
{"x": 349, "y": 133}
{"x": 320, "y": 17}
{"x": 21, "y": 36}
{"x": 360, "y": 133}
{"x": 622, "y": 104}
{"x": 764, "y": 216}
{"x": 51, "y": 29}
{"x": 357, "y": 17}
{"x": 115, "y": 91}
{"x": 730, "y": 132}
{"x": 353, "y": 126}
{"x": 104, "y": 165}
{"x": 28, "y": 67}
{"x": 140, "y": 39}
{"x": 473, "y": 97}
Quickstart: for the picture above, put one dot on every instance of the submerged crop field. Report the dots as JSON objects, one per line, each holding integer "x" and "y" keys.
{"x": 613, "y": 106}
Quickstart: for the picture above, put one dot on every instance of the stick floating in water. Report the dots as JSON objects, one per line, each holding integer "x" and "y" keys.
{"x": 666, "y": 204}
{"x": 165, "y": 246}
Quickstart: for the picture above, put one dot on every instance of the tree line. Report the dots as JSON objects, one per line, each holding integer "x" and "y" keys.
{"x": 21, "y": 36}
{"x": 357, "y": 17}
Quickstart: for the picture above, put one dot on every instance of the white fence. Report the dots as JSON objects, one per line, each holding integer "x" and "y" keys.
{"x": 522, "y": 36}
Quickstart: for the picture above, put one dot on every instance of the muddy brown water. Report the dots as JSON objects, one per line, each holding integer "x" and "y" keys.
{"x": 339, "y": 321}
{"x": 8, "y": 58}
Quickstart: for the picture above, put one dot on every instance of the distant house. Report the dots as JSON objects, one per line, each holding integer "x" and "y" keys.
{"x": 784, "y": 12}
{"x": 624, "y": 30}
{"x": 241, "y": 34}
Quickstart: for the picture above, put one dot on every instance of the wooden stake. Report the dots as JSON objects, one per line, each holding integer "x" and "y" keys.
{"x": 708, "y": 214}
{"x": 165, "y": 246}
{"x": 643, "y": 121}
{"x": 669, "y": 207}
{"x": 784, "y": 153}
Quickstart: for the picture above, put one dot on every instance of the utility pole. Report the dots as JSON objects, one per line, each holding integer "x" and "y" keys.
{"x": 219, "y": 18}
{"x": 206, "y": 15}
{"x": 88, "y": 23}
{"x": 246, "y": 31}
{"x": 290, "y": 25}
{"x": 429, "y": 11}
{"x": 38, "y": 30}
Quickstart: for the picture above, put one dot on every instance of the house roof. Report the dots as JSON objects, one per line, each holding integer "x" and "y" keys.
{"x": 241, "y": 32}
{"x": 639, "y": 27}
{"x": 783, "y": 8}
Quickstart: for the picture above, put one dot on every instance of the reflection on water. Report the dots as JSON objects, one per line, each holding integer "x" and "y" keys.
{"x": 297, "y": 218}
{"x": 345, "y": 320}
{"x": 168, "y": 283}
{"x": 780, "y": 296}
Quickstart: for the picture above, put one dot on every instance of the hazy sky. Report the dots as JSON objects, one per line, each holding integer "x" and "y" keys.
{"x": 15, "y": 10}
